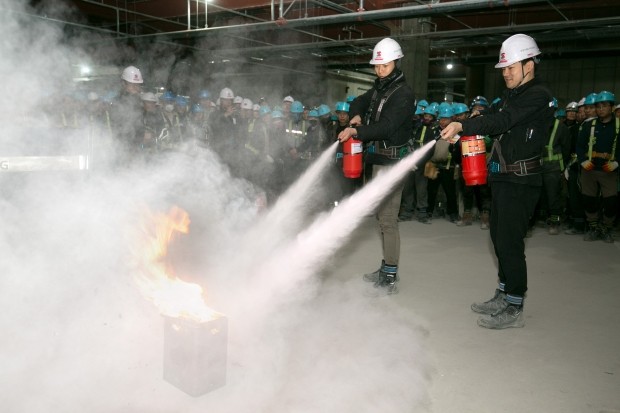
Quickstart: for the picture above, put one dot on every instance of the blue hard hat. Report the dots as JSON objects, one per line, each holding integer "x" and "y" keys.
{"x": 182, "y": 101}
{"x": 323, "y": 110}
{"x": 276, "y": 114}
{"x": 560, "y": 113}
{"x": 109, "y": 97}
{"x": 496, "y": 101}
{"x": 420, "y": 107}
{"x": 168, "y": 96}
{"x": 590, "y": 99}
{"x": 197, "y": 108}
{"x": 297, "y": 107}
{"x": 555, "y": 103}
{"x": 342, "y": 107}
{"x": 445, "y": 112}
{"x": 350, "y": 98}
{"x": 204, "y": 94}
{"x": 444, "y": 105}
{"x": 605, "y": 96}
{"x": 431, "y": 109}
{"x": 459, "y": 108}
{"x": 264, "y": 110}
{"x": 313, "y": 114}
{"x": 479, "y": 100}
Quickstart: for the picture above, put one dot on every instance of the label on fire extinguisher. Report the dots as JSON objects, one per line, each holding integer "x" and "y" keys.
{"x": 356, "y": 147}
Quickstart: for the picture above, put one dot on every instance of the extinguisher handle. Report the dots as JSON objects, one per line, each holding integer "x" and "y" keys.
{"x": 453, "y": 140}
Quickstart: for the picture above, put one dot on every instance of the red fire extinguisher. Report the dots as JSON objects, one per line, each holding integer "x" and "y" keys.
{"x": 474, "y": 160}
{"x": 352, "y": 158}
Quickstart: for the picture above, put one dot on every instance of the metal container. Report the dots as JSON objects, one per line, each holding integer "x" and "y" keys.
{"x": 195, "y": 354}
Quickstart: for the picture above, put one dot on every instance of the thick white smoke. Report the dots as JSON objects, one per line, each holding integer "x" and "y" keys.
{"x": 78, "y": 335}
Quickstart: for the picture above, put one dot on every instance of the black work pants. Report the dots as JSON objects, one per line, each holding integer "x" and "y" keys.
{"x": 512, "y": 205}
{"x": 551, "y": 196}
{"x": 575, "y": 200}
{"x": 445, "y": 179}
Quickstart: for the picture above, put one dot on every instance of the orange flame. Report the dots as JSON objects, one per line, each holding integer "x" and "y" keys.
{"x": 155, "y": 277}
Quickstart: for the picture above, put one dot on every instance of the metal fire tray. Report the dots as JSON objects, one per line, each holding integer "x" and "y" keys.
{"x": 195, "y": 354}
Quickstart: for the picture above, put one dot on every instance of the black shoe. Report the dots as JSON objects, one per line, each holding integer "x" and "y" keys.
{"x": 424, "y": 219}
{"x": 591, "y": 235}
{"x": 606, "y": 235}
{"x": 405, "y": 217}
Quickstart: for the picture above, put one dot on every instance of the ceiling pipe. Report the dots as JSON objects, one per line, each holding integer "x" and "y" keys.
{"x": 367, "y": 16}
{"x": 498, "y": 31}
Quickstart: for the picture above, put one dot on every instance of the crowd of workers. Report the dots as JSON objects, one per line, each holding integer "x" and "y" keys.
{"x": 271, "y": 143}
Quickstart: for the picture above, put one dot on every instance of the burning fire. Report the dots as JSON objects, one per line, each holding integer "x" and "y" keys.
{"x": 155, "y": 276}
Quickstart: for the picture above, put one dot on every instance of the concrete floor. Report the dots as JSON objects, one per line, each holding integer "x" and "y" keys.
{"x": 566, "y": 358}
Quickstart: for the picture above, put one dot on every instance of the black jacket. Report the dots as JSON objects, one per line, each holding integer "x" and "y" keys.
{"x": 393, "y": 128}
{"x": 521, "y": 125}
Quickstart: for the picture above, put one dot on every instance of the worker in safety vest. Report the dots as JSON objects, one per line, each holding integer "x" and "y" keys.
{"x": 597, "y": 153}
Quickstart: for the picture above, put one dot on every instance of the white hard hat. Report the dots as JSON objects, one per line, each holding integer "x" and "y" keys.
{"x": 149, "y": 97}
{"x": 386, "y": 51}
{"x": 227, "y": 93}
{"x": 238, "y": 99}
{"x": 256, "y": 106}
{"x": 132, "y": 74}
{"x": 246, "y": 104}
{"x": 572, "y": 106}
{"x": 515, "y": 49}
{"x": 582, "y": 101}
{"x": 288, "y": 99}
{"x": 617, "y": 107}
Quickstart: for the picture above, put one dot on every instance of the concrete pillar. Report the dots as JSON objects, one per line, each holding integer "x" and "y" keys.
{"x": 416, "y": 51}
{"x": 474, "y": 85}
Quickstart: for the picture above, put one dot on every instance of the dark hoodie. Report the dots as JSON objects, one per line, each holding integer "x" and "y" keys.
{"x": 394, "y": 127}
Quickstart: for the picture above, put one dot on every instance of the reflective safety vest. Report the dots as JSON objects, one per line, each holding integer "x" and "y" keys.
{"x": 592, "y": 141}
{"x": 550, "y": 155}
{"x": 295, "y": 132}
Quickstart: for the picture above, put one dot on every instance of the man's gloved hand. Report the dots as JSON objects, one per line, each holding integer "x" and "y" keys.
{"x": 610, "y": 166}
{"x": 587, "y": 165}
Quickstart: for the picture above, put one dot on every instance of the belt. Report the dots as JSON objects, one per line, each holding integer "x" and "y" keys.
{"x": 525, "y": 167}
{"x": 387, "y": 152}
{"x": 603, "y": 155}
{"x": 393, "y": 152}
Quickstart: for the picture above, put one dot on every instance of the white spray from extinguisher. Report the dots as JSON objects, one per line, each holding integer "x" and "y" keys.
{"x": 327, "y": 234}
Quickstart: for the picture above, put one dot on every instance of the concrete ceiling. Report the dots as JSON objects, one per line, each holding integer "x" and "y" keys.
{"x": 309, "y": 35}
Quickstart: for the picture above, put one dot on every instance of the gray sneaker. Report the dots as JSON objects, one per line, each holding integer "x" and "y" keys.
{"x": 384, "y": 286}
{"x": 373, "y": 277}
{"x": 387, "y": 285}
{"x": 511, "y": 316}
{"x": 495, "y": 305}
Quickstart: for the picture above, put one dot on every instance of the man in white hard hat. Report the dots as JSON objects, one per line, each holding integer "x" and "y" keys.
{"x": 519, "y": 127}
{"x": 127, "y": 114}
{"x": 381, "y": 118}
{"x": 286, "y": 106}
{"x": 224, "y": 124}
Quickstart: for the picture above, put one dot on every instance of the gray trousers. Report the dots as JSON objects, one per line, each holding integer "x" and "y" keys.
{"x": 387, "y": 216}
